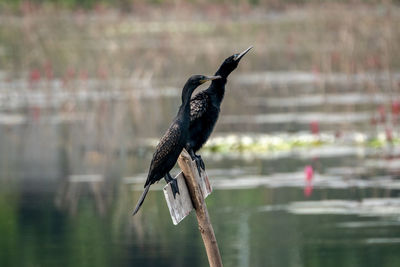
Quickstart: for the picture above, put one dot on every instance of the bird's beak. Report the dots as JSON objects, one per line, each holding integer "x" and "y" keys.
{"x": 210, "y": 78}
{"x": 238, "y": 57}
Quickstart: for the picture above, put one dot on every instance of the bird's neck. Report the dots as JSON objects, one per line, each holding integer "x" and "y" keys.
{"x": 217, "y": 88}
{"x": 224, "y": 70}
{"x": 184, "y": 109}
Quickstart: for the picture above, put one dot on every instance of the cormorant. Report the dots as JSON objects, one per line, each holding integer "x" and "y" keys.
{"x": 173, "y": 141}
{"x": 205, "y": 108}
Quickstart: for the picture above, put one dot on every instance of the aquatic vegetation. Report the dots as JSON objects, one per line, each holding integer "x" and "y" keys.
{"x": 236, "y": 143}
{"x": 263, "y": 143}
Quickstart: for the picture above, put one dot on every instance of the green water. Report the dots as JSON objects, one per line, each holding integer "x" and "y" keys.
{"x": 41, "y": 226}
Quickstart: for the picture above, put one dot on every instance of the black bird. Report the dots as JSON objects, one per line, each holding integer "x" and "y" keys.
{"x": 173, "y": 141}
{"x": 205, "y": 108}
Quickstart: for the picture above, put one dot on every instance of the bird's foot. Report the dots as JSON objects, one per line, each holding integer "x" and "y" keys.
{"x": 200, "y": 160}
{"x": 173, "y": 182}
{"x": 174, "y": 187}
{"x": 199, "y": 164}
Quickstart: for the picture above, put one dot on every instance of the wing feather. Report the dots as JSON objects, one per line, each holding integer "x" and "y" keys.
{"x": 198, "y": 105}
{"x": 165, "y": 148}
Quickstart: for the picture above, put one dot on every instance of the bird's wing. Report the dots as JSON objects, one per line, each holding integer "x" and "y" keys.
{"x": 198, "y": 105}
{"x": 164, "y": 148}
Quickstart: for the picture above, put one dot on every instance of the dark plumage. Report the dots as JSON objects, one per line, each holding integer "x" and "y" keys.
{"x": 205, "y": 108}
{"x": 173, "y": 141}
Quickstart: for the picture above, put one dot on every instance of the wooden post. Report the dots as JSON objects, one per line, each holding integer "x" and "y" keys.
{"x": 191, "y": 174}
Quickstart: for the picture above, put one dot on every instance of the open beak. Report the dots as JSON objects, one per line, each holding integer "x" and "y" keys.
{"x": 210, "y": 78}
{"x": 239, "y": 56}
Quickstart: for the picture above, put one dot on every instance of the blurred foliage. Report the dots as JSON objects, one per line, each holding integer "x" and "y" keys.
{"x": 129, "y": 5}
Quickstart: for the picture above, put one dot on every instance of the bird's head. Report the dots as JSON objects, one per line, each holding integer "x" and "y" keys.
{"x": 197, "y": 80}
{"x": 231, "y": 63}
{"x": 194, "y": 81}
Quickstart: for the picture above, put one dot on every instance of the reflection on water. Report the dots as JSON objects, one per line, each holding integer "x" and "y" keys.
{"x": 260, "y": 216}
{"x": 366, "y": 207}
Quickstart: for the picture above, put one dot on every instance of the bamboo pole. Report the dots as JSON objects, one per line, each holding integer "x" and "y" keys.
{"x": 191, "y": 174}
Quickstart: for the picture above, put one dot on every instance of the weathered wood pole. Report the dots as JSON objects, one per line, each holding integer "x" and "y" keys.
{"x": 190, "y": 172}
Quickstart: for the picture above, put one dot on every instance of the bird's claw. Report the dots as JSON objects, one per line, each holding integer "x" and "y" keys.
{"x": 200, "y": 160}
{"x": 174, "y": 187}
{"x": 199, "y": 164}
{"x": 198, "y": 167}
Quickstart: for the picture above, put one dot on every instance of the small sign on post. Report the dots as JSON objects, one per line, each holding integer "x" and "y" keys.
{"x": 180, "y": 206}
{"x": 193, "y": 188}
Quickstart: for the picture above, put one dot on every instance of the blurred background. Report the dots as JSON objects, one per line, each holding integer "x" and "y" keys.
{"x": 304, "y": 160}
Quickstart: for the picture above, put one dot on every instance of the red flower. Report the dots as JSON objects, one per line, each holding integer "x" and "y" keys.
{"x": 34, "y": 75}
{"x": 314, "y": 127}
{"x": 396, "y": 107}
{"x": 309, "y": 173}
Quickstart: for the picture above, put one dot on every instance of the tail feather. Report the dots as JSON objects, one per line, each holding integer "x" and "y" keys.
{"x": 142, "y": 197}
